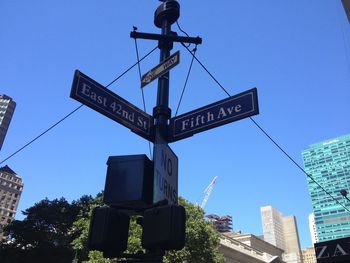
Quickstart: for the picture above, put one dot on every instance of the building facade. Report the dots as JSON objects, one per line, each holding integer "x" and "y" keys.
{"x": 312, "y": 227}
{"x": 282, "y": 232}
{"x": 309, "y": 255}
{"x": 272, "y": 226}
{"x": 291, "y": 236}
{"x": 256, "y": 243}
{"x": 11, "y": 187}
{"x": 247, "y": 248}
{"x": 7, "y": 107}
{"x": 328, "y": 163}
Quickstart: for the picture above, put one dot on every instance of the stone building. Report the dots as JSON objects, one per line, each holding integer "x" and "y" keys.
{"x": 11, "y": 187}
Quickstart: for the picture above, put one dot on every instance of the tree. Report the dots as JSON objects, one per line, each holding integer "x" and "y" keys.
{"x": 46, "y": 233}
{"x": 81, "y": 226}
{"x": 202, "y": 240}
{"x": 57, "y": 231}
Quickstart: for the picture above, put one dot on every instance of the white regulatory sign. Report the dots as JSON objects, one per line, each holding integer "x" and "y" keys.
{"x": 165, "y": 174}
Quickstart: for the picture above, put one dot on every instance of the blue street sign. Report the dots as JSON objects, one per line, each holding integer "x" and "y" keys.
{"x": 99, "y": 98}
{"x": 216, "y": 114}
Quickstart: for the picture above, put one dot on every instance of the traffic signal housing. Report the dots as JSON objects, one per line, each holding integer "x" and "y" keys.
{"x": 108, "y": 232}
{"x": 164, "y": 228}
{"x": 129, "y": 181}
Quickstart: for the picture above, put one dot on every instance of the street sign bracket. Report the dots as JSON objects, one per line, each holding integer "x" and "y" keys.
{"x": 173, "y": 37}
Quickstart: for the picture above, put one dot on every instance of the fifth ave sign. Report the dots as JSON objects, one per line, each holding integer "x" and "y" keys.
{"x": 216, "y": 114}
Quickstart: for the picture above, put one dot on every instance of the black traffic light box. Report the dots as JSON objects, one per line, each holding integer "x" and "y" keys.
{"x": 108, "y": 231}
{"x": 164, "y": 228}
{"x": 129, "y": 181}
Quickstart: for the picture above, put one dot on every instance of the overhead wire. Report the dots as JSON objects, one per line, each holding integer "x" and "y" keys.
{"x": 73, "y": 111}
{"x": 187, "y": 77}
{"x": 41, "y": 134}
{"x": 143, "y": 95}
{"x": 190, "y": 68}
{"x": 270, "y": 138}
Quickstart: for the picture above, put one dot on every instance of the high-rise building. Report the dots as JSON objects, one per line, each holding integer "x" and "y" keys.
{"x": 291, "y": 236}
{"x": 281, "y": 231}
{"x": 272, "y": 226}
{"x": 328, "y": 164}
{"x": 309, "y": 255}
{"x": 7, "y": 107}
{"x": 11, "y": 187}
{"x": 312, "y": 227}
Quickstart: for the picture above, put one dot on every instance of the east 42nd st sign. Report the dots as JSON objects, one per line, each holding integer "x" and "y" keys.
{"x": 101, "y": 99}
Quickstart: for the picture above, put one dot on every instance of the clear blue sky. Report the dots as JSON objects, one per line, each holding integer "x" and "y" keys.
{"x": 295, "y": 52}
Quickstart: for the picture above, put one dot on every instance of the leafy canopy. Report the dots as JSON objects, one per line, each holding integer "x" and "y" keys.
{"x": 57, "y": 231}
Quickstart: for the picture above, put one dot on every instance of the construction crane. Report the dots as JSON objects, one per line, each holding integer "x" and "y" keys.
{"x": 207, "y": 192}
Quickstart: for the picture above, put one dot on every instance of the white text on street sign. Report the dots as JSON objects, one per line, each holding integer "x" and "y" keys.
{"x": 216, "y": 114}
{"x": 101, "y": 99}
{"x": 160, "y": 69}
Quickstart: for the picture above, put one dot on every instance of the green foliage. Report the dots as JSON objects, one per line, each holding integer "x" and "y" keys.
{"x": 97, "y": 257}
{"x": 45, "y": 235}
{"x": 57, "y": 231}
{"x": 202, "y": 240}
{"x": 134, "y": 241}
{"x": 81, "y": 226}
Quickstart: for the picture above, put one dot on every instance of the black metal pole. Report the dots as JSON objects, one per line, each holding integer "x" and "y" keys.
{"x": 162, "y": 111}
{"x": 164, "y": 17}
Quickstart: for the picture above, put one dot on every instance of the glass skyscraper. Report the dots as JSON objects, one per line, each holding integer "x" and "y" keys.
{"x": 328, "y": 163}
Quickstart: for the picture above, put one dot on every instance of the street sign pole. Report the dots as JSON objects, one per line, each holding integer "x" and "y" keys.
{"x": 163, "y": 212}
{"x": 161, "y": 111}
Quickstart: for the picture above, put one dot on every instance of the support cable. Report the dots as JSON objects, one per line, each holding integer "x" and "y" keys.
{"x": 294, "y": 162}
{"x": 271, "y": 139}
{"x": 41, "y": 134}
{"x": 143, "y": 95}
{"x": 178, "y": 25}
{"x": 211, "y": 75}
{"x": 72, "y": 112}
{"x": 187, "y": 77}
